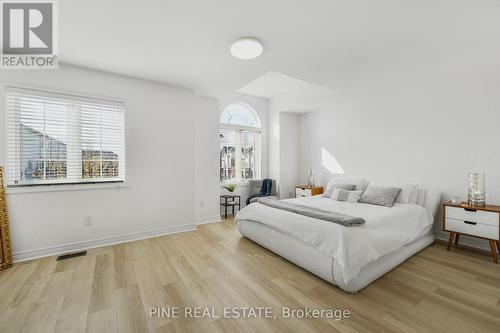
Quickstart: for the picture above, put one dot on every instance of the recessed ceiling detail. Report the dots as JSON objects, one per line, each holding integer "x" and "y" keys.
{"x": 300, "y": 95}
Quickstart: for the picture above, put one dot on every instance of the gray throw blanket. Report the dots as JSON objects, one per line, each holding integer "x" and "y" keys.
{"x": 320, "y": 214}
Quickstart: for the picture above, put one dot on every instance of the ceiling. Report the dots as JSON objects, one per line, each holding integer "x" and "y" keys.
{"x": 341, "y": 45}
{"x": 273, "y": 84}
{"x": 301, "y": 96}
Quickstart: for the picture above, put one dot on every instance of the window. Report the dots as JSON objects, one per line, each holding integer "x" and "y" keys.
{"x": 239, "y": 144}
{"x": 63, "y": 139}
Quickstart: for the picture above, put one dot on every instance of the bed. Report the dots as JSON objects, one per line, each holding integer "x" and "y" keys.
{"x": 349, "y": 257}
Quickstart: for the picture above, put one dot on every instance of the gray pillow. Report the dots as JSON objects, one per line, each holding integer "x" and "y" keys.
{"x": 343, "y": 195}
{"x": 382, "y": 196}
{"x": 362, "y": 186}
{"x": 347, "y": 187}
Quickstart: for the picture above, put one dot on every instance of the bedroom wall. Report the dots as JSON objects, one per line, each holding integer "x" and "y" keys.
{"x": 284, "y": 137}
{"x": 289, "y": 154}
{"x": 433, "y": 132}
{"x": 284, "y": 140}
{"x": 207, "y": 191}
{"x": 159, "y": 193}
{"x": 274, "y": 143}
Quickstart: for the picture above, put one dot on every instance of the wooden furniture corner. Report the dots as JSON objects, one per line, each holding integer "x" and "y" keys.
{"x": 307, "y": 191}
{"x": 5, "y": 245}
{"x": 479, "y": 222}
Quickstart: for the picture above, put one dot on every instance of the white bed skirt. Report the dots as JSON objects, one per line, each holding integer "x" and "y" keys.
{"x": 323, "y": 265}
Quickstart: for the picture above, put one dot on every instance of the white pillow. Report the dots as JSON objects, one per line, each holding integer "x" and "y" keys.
{"x": 421, "y": 194}
{"x": 408, "y": 193}
{"x": 414, "y": 197}
{"x": 341, "y": 180}
{"x": 362, "y": 186}
{"x": 344, "y": 195}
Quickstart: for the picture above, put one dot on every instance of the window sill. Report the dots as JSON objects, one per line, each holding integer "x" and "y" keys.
{"x": 238, "y": 184}
{"x": 63, "y": 188}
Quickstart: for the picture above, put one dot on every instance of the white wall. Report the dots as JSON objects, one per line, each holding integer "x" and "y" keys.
{"x": 160, "y": 131}
{"x": 289, "y": 154}
{"x": 285, "y": 134}
{"x": 207, "y": 181}
{"x": 432, "y": 132}
{"x": 274, "y": 143}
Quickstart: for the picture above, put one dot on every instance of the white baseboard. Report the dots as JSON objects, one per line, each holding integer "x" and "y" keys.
{"x": 465, "y": 240}
{"x": 85, "y": 245}
{"x": 207, "y": 219}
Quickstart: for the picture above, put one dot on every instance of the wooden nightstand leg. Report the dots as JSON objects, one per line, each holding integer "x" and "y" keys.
{"x": 457, "y": 237}
{"x": 498, "y": 246}
{"x": 450, "y": 240}
{"x": 493, "y": 251}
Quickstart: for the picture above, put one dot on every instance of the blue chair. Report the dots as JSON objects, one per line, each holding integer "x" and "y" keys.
{"x": 254, "y": 188}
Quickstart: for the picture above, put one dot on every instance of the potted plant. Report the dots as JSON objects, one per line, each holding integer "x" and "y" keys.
{"x": 230, "y": 187}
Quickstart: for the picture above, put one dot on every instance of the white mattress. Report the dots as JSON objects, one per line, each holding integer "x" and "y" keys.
{"x": 322, "y": 264}
{"x": 386, "y": 230}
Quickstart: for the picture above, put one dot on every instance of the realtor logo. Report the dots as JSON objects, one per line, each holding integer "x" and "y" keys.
{"x": 28, "y": 31}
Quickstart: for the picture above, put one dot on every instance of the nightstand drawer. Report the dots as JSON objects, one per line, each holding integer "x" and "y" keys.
{"x": 479, "y": 216}
{"x": 468, "y": 227}
{"x": 299, "y": 192}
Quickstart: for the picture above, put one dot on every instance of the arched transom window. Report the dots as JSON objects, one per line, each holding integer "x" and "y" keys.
{"x": 239, "y": 114}
{"x": 239, "y": 143}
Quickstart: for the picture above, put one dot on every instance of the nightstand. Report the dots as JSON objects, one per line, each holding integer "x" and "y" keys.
{"x": 229, "y": 200}
{"x": 307, "y": 191}
{"x": 480, "y": 222}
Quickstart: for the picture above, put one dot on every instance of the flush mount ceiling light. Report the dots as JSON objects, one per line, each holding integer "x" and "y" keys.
{"x": 246, "y": 48}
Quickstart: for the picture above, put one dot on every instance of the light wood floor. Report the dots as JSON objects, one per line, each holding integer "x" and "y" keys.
{"x": 112, "y": 288}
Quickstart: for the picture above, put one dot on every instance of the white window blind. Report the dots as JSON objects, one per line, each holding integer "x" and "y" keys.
{"x": 239, "y": 154}
{"x": 63, "y": 139}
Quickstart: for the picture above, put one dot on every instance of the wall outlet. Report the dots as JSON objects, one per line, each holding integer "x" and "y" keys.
{"x": 87, "y": 221}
